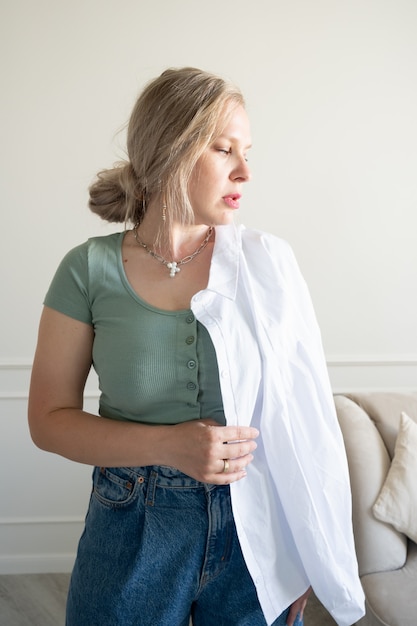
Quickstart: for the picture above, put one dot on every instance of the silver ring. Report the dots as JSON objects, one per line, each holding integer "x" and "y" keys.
{"x": 225, "y": 466}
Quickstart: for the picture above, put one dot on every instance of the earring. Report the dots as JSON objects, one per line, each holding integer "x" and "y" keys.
{"x": 143, "y": 200}
{"x": 164, "y": 212}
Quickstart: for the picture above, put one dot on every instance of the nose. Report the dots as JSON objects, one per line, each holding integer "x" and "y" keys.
{"x": 242, "y": 171}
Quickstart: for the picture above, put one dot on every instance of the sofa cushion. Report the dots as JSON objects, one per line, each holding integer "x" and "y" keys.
{"x": 384, "y": 409}
{"x": 391, "y": 596}
{"x": 397, "y": 501}
{"x": 369, "y": 463}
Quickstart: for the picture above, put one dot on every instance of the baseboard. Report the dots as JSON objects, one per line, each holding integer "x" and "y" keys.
{"x": 37, "y": 564}
{"x": 31, "y": 545}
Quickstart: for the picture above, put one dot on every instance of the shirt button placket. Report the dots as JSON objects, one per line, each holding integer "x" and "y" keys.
{"x": 190, "y": 354}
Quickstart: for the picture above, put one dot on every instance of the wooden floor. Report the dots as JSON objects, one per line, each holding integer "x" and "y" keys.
{"x": 33, "y": 599}
{"x": 39, "y": 600}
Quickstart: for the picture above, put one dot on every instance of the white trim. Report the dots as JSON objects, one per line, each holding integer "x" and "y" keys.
{"x": 370, "y": 360}
{"x": 373, "y": 373}
{"x": 14, "y": 395}
{"x": 342, "y": 390}
{"x": 24, "y": 395}
{"x": 52, "y": 519}
{"x": 37, "y": 563}
{"x": 331, "y": 359}
{"x": 15, "y": 364}
{"x": 15, "y": 381}
{"x": 348, "y": 372}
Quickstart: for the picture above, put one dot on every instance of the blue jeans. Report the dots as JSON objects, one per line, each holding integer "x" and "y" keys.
{"x": 159, "y": 546}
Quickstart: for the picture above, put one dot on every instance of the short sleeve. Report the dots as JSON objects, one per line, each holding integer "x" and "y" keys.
{"x": 68, "y": 292}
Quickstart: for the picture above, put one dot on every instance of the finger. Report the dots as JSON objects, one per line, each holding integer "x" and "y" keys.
{"x": 230, "y": 433}
{"x": 238, "y": 433}
{"x": 226, "y": 466}
{"x": 238, "y": 449}
{"x": 235, "y": 466}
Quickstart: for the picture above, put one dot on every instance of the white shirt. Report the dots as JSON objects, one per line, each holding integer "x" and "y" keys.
{"x": 293, "y": 509}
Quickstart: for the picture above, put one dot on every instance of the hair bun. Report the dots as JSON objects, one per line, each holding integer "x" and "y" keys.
{"x": 115, "y": 196}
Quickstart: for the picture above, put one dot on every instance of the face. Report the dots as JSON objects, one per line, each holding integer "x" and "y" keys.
{"x": 217, "y": 180}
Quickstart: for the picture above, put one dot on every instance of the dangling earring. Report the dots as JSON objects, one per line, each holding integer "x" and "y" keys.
{"x": 164, "y": 212}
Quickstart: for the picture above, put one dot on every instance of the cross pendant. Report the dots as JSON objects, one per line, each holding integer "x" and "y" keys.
{"x": 173, "y": 268}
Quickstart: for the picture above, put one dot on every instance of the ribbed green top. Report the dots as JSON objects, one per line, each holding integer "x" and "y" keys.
{"x": 154, "y": 366}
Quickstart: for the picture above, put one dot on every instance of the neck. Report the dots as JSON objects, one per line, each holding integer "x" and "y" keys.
{"x": 172, "y": 243}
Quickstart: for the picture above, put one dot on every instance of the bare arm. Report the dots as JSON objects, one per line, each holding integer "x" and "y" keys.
{"x": 59, "y": 424}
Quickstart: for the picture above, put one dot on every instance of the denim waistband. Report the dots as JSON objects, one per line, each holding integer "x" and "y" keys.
{"x": 164, "y": 476}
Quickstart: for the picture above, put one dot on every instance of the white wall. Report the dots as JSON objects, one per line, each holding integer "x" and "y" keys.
{"x": 331, "y": 88}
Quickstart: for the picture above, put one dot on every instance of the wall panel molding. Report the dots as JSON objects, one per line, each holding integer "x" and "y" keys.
{"x": 372, "y": 372}
{"x": 360, "y": 360}
{"x": 348, "y": 372}
{"x": 15, "y": 380}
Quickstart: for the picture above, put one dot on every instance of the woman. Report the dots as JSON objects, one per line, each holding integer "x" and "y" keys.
{"x": 213, "y": 390}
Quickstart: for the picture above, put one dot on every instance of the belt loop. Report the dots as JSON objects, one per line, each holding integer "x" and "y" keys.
{"x": 150, "y": 493}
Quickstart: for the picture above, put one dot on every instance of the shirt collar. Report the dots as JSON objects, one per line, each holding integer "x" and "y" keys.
{"x": 224, "y": 267}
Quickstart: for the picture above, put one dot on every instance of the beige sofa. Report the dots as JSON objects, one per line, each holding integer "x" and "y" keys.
{"x": 381, "y": 448}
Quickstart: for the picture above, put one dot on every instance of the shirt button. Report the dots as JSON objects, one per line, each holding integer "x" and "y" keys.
{"x": 191, "y": 386}
{"x": 190, "y": 318}
{"x": 191, "y": 364}
{"x": 189, "y": 340}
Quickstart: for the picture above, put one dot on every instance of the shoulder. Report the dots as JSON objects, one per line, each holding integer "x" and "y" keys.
{"x": 99, "y": 246}
{"x": 270, "y": 267}
{"x": 262, "y": 247}
{"x": 105, "y": 243}
{"x": 74, "y": 285}
{"x": 255, "y": 237}
{"x": 85, "y": 260}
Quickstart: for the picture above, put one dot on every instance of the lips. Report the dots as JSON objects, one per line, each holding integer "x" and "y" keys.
{"x": 232, "y": 200}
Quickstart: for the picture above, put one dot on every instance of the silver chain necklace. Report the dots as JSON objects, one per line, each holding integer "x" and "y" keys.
{"x": 173, "y": 266}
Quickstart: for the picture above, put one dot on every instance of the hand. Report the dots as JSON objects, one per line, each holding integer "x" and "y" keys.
{"x": 201, "y": 448}
{"x": 297, "y": 608}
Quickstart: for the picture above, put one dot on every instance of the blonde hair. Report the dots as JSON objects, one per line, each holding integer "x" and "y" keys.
{"x": 174, "y": 119}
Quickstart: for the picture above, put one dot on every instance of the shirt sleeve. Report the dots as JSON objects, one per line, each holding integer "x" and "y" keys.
{"x": 68, "y": 292}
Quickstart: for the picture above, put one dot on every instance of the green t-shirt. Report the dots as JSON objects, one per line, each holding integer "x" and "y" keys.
{"x": 154, "y": 366}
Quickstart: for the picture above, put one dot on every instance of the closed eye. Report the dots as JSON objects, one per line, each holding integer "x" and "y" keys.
{"x": 228, "y": 151}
